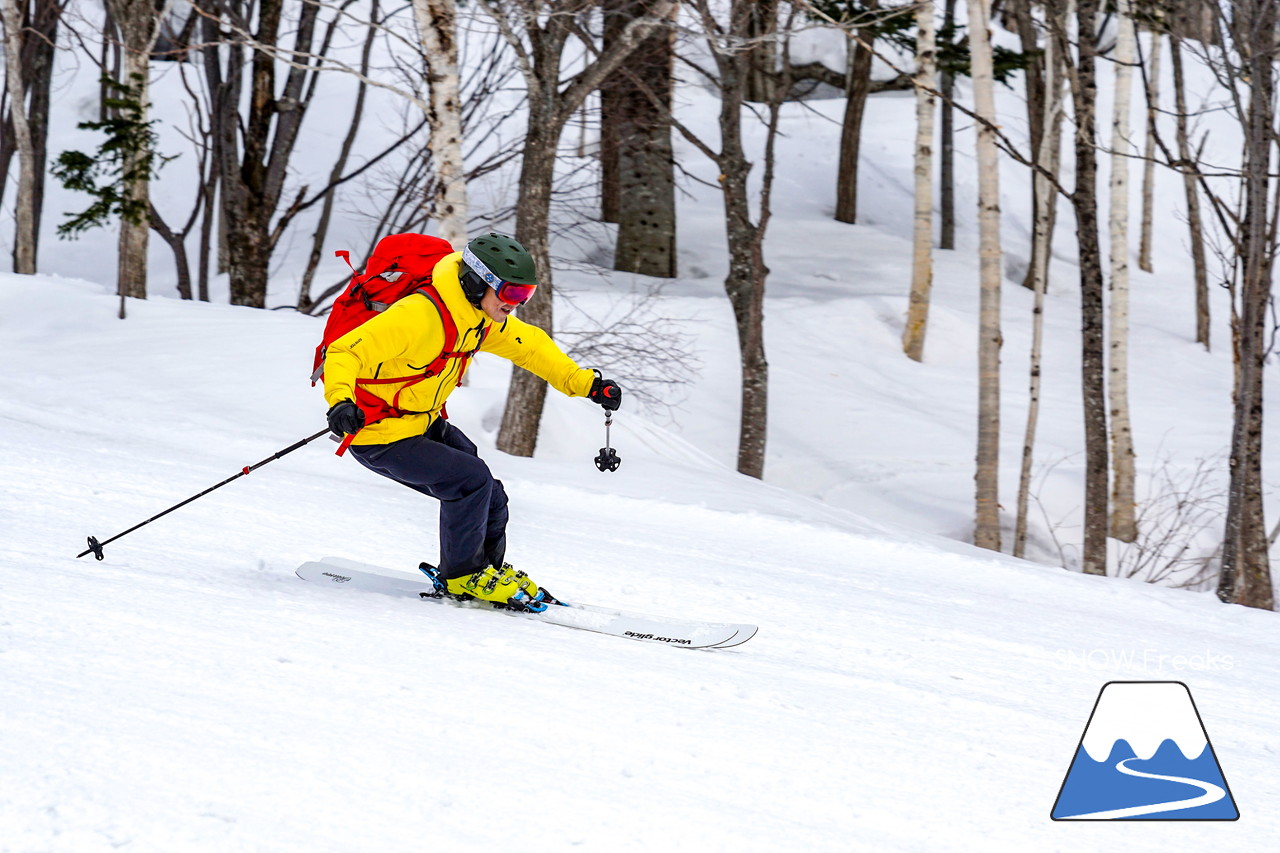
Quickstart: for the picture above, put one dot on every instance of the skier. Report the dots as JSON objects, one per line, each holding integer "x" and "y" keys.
{"x": 387, "y": 382}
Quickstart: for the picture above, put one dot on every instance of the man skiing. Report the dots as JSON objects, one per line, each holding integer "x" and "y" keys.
{"x": 387, "y": 381}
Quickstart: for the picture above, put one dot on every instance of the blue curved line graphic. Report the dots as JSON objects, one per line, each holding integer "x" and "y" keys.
{"x": 1211, "y": 793}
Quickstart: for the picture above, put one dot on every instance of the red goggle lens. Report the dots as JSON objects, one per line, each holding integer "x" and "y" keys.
{"x": 515, "y": 294}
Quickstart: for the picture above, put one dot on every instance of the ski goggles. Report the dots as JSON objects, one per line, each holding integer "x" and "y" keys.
{"x": 508, "y": 291}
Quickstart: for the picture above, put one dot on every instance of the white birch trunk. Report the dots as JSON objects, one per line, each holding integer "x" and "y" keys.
{"x": 24, "y": 254}
{"x": 987, "y": 502}
{"x": 135, "y": 236}
{"x": 1123, "y": 521}
{"x": 1048, "y": 157}
{"x": 1149, "y": 156}
{"x": 438, "y": 30}
{"x": 922, "y": 248}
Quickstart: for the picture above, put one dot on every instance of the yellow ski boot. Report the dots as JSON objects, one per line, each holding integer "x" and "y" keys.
{"x": 505, "y": 587}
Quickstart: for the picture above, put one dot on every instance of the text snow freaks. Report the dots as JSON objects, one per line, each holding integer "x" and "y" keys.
{"x": 1142, "y": 660}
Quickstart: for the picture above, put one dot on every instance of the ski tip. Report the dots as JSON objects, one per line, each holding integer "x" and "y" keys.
{"x": 744, "y": 633}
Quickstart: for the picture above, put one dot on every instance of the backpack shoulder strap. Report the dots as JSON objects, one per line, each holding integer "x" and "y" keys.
{"x": 446, "y": 317}
{"x": 376, "y": 408}
{"x": 450, "y": 333}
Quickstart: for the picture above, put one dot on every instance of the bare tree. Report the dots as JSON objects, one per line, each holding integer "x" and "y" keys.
{"x": 637, "y": 162}
{"x": 38, "y": 39}
{"x": 428, "y": 50}
{"x": 731, "y": 39}
{"x": 1175, "y": 523}
{"x": 1246, "y": 570}
{"x": 202, "y": 211}
{"x": 1084, "y": 201}
{"x": 1190, "y": 189}
{"x": 538, "y": 30}
{"x": 24, "y": 249}
{"x": 329, "y": 197}
{"x": 913, "y": 333}
{"x": 762, "y": 77}
{"x": 857, "y": 89}
{"x": 947, "y": 145}
{"x": 139, "y": 25}
{"x": 1019, "y": 17}
{"x": 635, "y": 338}
{"x": 253, "y": 150}
{"x": 403, "y": 174}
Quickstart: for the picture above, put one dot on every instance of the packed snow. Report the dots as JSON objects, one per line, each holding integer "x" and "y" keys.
{"x": 906, "y": 691}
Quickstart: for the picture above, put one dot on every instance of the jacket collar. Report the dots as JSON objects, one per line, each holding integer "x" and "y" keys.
{"x": 445, "y": 279}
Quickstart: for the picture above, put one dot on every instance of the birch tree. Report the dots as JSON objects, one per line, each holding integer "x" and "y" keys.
{"x": 438, "y": 28}
{"x": 24, "y": 249}
{"x": 913, "y": 334}
{"x": 987, "y": 478}
{"x": 1151, "y": 75}
{"x": 1046, "y": 160}
{"x": 1123, "y": 502}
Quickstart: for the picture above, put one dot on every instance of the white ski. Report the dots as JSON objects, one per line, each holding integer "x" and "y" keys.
{"x": 601, "y": 620}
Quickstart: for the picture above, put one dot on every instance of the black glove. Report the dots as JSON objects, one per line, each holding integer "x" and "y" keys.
{"x": 606, "y": 392}
{"x": 345, "y": 418}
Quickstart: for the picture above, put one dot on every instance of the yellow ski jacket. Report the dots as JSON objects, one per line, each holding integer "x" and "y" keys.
{"x": 403, "y": 340}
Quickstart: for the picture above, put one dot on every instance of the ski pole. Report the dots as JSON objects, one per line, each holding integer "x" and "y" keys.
{"x": 95, "y": 547}
{"x": 608, "y": 459}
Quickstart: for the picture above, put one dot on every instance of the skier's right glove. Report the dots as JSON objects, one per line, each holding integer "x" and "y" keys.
{"x": 606, "y": 392}
{"x": 345, "y": 418}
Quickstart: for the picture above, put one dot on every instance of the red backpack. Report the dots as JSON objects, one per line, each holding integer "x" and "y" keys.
{"x": 413, "y": 256}
{"x": 401, "y": 264}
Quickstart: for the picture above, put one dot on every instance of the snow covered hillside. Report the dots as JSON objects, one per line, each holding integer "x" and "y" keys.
{"x": 852, "y": 421}
{"x": 905, "y": 692}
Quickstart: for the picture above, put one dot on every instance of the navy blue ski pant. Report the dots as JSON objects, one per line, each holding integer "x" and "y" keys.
{"x": 473, "y": 505}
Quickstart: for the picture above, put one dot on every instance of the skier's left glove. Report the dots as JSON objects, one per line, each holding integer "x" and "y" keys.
{"x": 606, "y": 392}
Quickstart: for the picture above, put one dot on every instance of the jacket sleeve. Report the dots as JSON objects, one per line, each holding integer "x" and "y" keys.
{"x": 529, "y": 347}
{"x": 412, "y": 324}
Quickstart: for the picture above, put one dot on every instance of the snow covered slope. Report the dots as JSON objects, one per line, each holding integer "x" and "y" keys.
{"x": 905, "y": 692}
{"x": 189, "y": 692}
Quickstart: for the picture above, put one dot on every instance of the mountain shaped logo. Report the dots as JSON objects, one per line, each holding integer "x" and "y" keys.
{"x": 1145, "y": 755}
